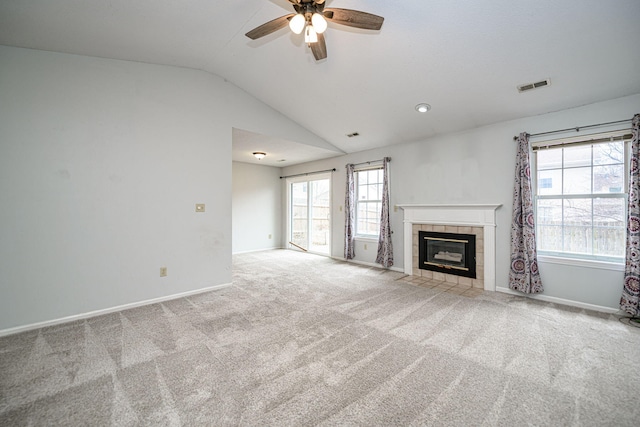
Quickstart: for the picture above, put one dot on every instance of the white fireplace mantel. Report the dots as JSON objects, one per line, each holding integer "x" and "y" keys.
{"x": 482, "y": 215}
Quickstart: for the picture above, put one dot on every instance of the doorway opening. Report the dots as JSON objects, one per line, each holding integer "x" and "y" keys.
{"x": 309, "y": 214}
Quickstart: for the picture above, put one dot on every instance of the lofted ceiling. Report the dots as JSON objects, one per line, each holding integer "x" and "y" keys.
{"x": 465, "y": 58}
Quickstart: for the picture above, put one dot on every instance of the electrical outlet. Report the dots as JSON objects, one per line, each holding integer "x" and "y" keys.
{"x": 365, "y": 246}
{"x": 163, "y": 271}
{"x": 395, "y": 208}
{"x": 269, "y": 236}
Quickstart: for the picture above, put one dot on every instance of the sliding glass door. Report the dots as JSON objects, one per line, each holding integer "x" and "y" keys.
{"x": 309, "y": 208}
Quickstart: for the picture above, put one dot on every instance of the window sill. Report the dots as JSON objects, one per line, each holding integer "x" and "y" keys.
{"x": 588, "y": 263}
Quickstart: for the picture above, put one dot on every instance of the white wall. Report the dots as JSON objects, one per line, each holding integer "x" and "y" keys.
{"x": 102, "y": 161}
{"x": 101, "y": 164}
{"x": 477, "y": 166}
{"x": 257, "y": 207}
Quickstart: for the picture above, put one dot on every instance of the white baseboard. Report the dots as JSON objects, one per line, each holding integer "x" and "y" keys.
{"x": 82, "y": 316}
{"x": 257, "y": 250}
{"x": 562, "y": 301}
{"x": 369, "y": 264}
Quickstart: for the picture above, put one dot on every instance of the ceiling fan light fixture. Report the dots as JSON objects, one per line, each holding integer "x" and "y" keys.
{"x": 296, "y": 24}
{"x": 423, "y": 108}
{"x": 312, "y": 17}
{"x": 319, "y": 23}
{"x": 259, "y": 155}
{"x": 310, "y": 35}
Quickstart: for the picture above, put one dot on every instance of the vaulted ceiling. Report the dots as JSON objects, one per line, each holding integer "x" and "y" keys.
{"x": 464, "y": 58}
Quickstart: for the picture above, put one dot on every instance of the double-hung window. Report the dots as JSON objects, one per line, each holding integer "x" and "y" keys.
{"x": 368, "y": 184}
{"x": 580, "y": 197}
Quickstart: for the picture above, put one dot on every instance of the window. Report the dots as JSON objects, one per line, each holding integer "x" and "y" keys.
{"x": 580, "y": 199}
{"x": 368, "y": 202}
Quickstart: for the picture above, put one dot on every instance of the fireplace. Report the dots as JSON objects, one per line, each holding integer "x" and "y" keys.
{"x": 450, "y": 253}
{"x": 479, "y": 220}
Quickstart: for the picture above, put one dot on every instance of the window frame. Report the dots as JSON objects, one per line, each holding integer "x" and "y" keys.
{"x": 570, "y": 258}
{"x": 380, "y": 182}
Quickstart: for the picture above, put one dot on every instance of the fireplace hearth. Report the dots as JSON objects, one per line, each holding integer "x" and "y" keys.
{"x": 449, "y": 253}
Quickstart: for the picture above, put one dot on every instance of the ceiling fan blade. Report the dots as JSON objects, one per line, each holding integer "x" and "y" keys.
{"x": 354, "y": 18}
{"x": 269, "y": 27}
{"x": 319, "y": 48}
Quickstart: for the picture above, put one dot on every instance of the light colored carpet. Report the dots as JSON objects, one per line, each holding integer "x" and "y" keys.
{"x": 305, "y": 340}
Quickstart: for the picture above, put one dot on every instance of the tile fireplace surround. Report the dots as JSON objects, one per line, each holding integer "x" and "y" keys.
{"x": 469, "y": 219}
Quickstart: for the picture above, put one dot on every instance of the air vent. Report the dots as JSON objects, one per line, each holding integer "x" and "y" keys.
{"x": 536, "y": 85}
{"x": 351, "y": 135}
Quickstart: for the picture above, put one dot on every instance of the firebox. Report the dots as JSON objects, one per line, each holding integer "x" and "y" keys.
{"x": 449, "y": 253}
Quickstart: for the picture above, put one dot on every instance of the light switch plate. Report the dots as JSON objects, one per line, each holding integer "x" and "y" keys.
{"x": 199, "y": 207}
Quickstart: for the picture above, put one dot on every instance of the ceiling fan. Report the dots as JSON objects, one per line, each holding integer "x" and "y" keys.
{"x": 311, "y": 17}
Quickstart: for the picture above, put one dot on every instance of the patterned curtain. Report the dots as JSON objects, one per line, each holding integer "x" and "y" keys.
{"x": 350, "y": 214}
{"x": 385, "y": 247}
{"x": 523, "y": 275}
{"x": 630, "y": 300}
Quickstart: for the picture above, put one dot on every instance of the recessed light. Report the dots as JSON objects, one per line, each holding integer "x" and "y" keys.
{"x": 423, "y": 108}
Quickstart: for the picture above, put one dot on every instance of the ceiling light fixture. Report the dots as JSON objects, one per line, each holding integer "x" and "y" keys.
{"x": 312, "y": 22}
{"x": 311, "y": 17}
{"x": 423, "y": 108}
{"x": 310, "y": 35}
{"x": 259, "y": 155}
{"x": 297, "y": 23}
{"x": 319, "y": 23}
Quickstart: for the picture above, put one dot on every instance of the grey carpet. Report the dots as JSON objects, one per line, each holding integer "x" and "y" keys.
{"x": 305, "y": 340}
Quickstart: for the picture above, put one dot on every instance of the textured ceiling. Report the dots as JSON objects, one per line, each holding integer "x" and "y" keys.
{"x": 464, "y": 58}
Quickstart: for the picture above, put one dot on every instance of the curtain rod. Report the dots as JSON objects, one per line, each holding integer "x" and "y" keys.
{"x": 309, "y": 173}
{"x": 577, "y": 129}
{"x": 370, "y": 161}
